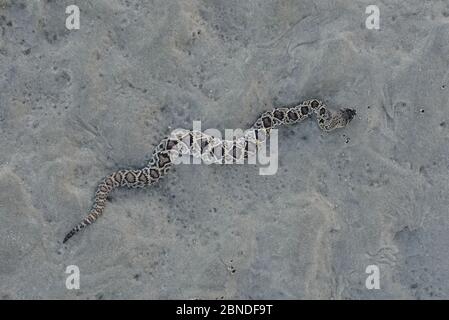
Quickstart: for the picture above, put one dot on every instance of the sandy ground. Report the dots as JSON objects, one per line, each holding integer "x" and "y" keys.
{"x": 78, "y": 105}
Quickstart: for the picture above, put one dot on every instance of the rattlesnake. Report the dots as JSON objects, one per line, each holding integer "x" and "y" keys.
{"x": 198, "y": 144}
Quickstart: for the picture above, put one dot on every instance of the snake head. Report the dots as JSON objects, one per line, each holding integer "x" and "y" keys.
{"x": 348, "y": 114}
{"x": 345, "y": 116}
{"x": 340, "y": 119}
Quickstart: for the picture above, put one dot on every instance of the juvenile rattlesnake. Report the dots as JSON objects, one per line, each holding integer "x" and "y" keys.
{"x": 198, "y": 144}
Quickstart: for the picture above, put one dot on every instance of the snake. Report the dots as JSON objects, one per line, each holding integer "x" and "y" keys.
{"x": 194, "y": 143}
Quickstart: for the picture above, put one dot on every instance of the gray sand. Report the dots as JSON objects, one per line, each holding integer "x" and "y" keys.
{"x": 78, "y": 105}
